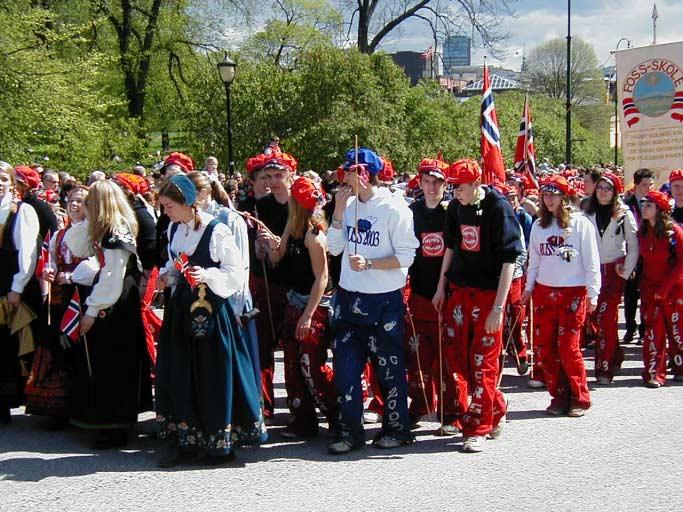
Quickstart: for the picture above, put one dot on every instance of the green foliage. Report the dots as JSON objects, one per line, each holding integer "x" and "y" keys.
{"x": 333, "y": 95}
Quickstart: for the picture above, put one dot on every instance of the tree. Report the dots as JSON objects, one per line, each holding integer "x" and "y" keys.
{"x": 295, "y": 26}
{"x": 547, "y": 71}
{"x": 377, "y": 19}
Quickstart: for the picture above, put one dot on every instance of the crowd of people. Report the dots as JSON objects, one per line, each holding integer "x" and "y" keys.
{"x": 421, "y": 285}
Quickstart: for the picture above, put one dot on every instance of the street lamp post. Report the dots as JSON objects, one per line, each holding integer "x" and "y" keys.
{"x": 616, "y": 103}
{"x": 226, "y": 70}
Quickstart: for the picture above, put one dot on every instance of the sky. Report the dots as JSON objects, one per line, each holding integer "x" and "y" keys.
{"x": 599, "y": 22}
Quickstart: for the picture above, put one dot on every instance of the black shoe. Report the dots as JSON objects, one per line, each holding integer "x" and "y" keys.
{"x": 628, "y": 336}
{"x": 110, "y": 439}
{"x": 175, "y": 456}
{"x": 522, "y": 367}
{"x": 218, "y": 460}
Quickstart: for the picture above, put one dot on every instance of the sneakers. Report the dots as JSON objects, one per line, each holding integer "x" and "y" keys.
{"x": 371, "y": 417}
{"x": 628, "y": 336}
{"x": 498, "y": 429}
{"x": 603, "y": 381}
{"x": 535, "y": 384}
{"x": 555, "y": 410}
{"x": 653, "y": 384}
{"x": 449, "y": 430}
{"x": 387, "y": 442}
{"x": 474, "y": 444}
{"x": 343, "y": 446}
{"x": 576, "y": 412}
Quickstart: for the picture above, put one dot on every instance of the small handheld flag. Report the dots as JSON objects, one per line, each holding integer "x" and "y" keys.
{"x": 491, "y": 154}
{"x": 525, "y": 154}
{"x": 182, "y": 264}
{"x": 71, "y": 321}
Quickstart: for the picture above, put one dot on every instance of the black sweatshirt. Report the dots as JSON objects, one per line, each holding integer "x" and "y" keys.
{"x": 426, "y": 268}
{"x": 483, "y": 236}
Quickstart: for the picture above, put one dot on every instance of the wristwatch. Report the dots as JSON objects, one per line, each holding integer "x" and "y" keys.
{"x": 498, "y": 309}
{"x": 336, "y": 224}
{"x": 368, "y": 264}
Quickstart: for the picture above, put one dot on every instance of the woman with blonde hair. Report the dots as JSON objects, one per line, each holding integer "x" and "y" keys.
{"x": 305, "y": 331}
{"x": 111, "y": 365}
{"x": 19, "y": 288}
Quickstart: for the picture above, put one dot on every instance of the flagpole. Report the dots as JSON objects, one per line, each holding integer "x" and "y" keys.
{"x": 355, "y": 220}
{"x": 49, "y": 303}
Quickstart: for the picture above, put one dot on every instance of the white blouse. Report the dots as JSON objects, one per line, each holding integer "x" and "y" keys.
{"x": 225, "y": 280}
{"x": 25, "y": 234}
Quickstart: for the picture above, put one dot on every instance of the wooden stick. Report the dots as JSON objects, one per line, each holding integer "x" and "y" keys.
{"x": 531, "y": 336}
{"x": 49, "y": 303}
{"x": 355, "y": 221}
{"x": 441, "y": 431}
{"x": 417, "y": 354}
{"x": 87, "y": 355}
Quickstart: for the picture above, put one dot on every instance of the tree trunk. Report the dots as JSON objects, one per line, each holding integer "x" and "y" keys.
{"x": 364, "y": 27}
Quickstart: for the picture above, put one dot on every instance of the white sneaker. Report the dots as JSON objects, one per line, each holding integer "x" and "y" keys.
{"x": 474, "y": 444}
{"x": 535, "y": 384}
{"x": 371, "y": 417}
{"x": 498, "y": 429}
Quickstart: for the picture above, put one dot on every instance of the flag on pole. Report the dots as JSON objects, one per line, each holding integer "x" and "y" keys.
{"x": 71, "y": 321}
{"x": 525, "y": 154}
{"x": 428, "y": 53}
{"x": 491, "y": 154}
{"x": 44, "y": 256}
{"x": 182, "y": 264}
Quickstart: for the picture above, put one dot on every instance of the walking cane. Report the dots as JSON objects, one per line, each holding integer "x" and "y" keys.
{"x": 441, "y": 431}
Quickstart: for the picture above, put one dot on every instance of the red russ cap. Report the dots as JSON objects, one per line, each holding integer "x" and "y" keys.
{"x": 433, "y": 167}
{"x": 180, "y": 159}
{"x": 305, "y": 192}
{"x": 556, "y": 184}
{"x": 464, "y": 171}
{"x": 27, "y": 176}
{"x": 660, "y": 199}
{"x": 676, "y": 175}
{"x": 615, "y": 181}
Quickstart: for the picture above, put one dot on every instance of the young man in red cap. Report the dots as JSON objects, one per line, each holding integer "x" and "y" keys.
{"x": 269, "y": 283}
{"x": 429, "y": 217}
{"x": 676, "y": 185}
{"x": 483, "y": 241}
{"x": 374, "y": 231}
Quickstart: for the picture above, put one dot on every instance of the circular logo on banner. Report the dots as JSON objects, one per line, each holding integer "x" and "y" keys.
{"x": 433, "y": 245}
{"x": 470, "y": 237}
{"x": 653, "y": 88}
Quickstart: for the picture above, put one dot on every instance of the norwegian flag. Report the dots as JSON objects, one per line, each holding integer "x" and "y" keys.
{"x": 44, "y": 256}
{"x": 428, "y": 53}
{"x": 677, "y": 107}
{"x": 71, "y": 321}
{"x": 631, "y": 113}
{"x": 525, "y": 154}
{"x": 182, "y": 264}
{"x": 491, "y": 154}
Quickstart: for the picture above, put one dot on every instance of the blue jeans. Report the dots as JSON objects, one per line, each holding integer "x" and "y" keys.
{"x": 370, "y": 326}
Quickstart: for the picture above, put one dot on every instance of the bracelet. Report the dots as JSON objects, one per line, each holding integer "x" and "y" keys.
{"x": 499, "y": 309}
{"x": 337, "y": 224}
{"x": 368, "y": 264}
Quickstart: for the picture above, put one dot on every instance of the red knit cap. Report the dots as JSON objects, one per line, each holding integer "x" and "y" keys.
{"x": 613, "y": 180}
{"x": 660, "y": 199}
{"x": 180, "y": 159}
{"x": 433, "y": 167}
{"x": 136, "y": 184}
{"x": 307, "y": 194}
{"x": 676, "y": 175}
{"x": 463, "y": 171}
{"x": 556, "y": 184}
{"x": 27, "y": 176}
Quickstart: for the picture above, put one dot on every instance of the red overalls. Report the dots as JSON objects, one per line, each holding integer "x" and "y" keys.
{"x": 662, "y": 275}
{"x": 559, "y": 313}
{"x": 608, "y": 353}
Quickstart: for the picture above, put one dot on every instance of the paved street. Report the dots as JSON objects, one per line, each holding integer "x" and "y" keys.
{"x": 626, "y": 454}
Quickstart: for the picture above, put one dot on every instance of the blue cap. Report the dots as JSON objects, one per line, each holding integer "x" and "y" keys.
{"x": 187, "y": 188}
{"x": 367, "y": 157}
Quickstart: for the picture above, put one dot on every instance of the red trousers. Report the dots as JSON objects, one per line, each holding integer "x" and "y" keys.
{"x": 515, "y": 313}
{"x": 559, "y": 314}
{"x": 662, "y": 319}
{"x": 425, "y": 346}
{"x": 608, "y": 353}
{"x": 309, "y": 381}
{"x": 266, "y": 342}
{"x": 474, "y": 354}
{"x": 371, "y": 388}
